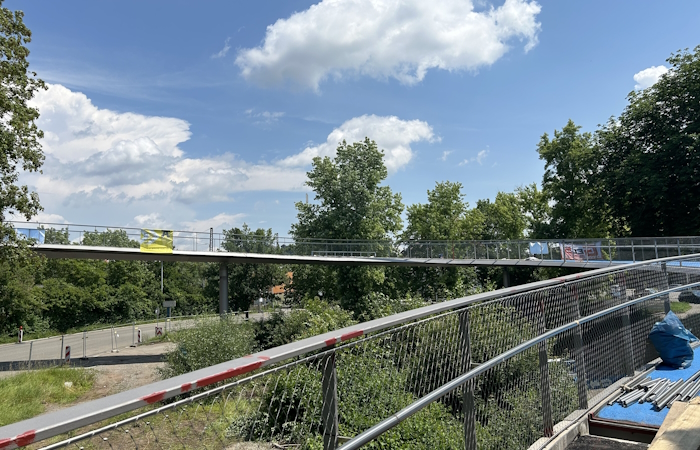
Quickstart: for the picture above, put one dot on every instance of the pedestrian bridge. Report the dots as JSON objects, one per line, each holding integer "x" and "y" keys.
{"x": 511, "y": 368}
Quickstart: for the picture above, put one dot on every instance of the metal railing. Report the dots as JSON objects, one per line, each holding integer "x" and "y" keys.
{"x": 321, "y": 391}
{"x": 584, "y": 250}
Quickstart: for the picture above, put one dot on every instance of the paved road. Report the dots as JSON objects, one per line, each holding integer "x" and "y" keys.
{"x": 97, "y": 342}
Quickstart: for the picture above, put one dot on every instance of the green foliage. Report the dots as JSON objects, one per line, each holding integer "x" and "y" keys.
{"x": 570, "y": 181}
{"x": 650, "y": 155}
{"x": 680, "y": 307}
{"x": 247, "y": 282}
{"x": 503, "y": 219}
{"x": 19, "y": 304}
{"x": 315, "y": 318}
{"x": 28, "y": 394}
{"x": 211, "y": 341}
{"x": 109, "y": 238}
{"x": 20, "y": 149}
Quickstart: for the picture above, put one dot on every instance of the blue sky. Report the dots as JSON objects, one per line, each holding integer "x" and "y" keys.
{"x": 190, "y": 115}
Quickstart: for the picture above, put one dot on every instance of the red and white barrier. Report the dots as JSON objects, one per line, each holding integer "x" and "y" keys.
{"x": 67, "y": 355}
{"x": 138, "y": 336}
{"x": 20, "y": 335}
{"x": 159, "y": 331}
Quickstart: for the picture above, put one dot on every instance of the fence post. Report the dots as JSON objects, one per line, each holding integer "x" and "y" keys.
{"x": 60, "y": 356}
{"x": 329, "y": 410}
{"x": 627, "y": 345}
{"x": 84, "y": 345}
{"x": 547, "y": 422}
{"x": 31, "y": 344}
{"x": 133, "y": 333}
{"x": 579, "y": 355}
{"x": 664, "y": 282}
{"x": 468, "y": 389}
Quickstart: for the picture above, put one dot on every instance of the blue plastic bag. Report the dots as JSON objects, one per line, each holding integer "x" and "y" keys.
{"x": 672, "y": 340}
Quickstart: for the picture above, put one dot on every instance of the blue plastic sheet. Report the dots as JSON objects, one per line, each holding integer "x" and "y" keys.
{"x": 672, "y": 340}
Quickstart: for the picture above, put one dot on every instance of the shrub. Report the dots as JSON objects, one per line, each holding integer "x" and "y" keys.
{"x": 211, "y": 341}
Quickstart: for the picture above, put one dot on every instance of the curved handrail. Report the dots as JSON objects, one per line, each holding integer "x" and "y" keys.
{"x": 392, "y": 421}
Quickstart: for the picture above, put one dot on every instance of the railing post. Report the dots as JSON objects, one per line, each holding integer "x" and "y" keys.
{"x": 579, "y": 355}
{"x": 329, "y": 410}
{"x": 633, "y": 258}
{"x": 468, "y": 389}
{"x": 627, "y": 345}
{"x": 667, "y": 297}
{"x": 547, "y": 422}
{"x": 678, "y": 242}
{"x": 656, "y": 250}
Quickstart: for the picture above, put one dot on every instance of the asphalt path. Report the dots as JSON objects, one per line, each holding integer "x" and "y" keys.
{"x": 98, "y": 342}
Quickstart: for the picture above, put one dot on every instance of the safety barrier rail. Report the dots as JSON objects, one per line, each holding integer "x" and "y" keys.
{"x": 104, "y": 339}
{"x": 320, "y": 391}
{"x": 585, "y": 250}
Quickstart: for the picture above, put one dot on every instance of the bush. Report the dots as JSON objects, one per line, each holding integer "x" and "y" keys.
{"x": 316, "y": 317}
{"x": 211, "y": 341}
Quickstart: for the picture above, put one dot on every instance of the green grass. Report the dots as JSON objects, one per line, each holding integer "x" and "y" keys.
{"x": 680, "y": 307}
{"x": 26, "y": 395}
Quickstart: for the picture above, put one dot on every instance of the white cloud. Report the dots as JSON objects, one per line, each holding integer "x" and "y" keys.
{"x": 479, "y": 158}
{"x": 106, "y": 161}
{"x": 445, "y": 154}
{"x": 41, "y": 217}
{"x": 392, "y": 134}
{"x": 152, "y": 220}
{"x": 649, "y": 76}
{"x": 387, "y": 38}
{"x": 218, "y": 222}
{"x": 224, "y": 50}
{"x": 266, "y": 117}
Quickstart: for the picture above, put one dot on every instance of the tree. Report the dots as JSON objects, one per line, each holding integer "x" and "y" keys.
{"x": 538, "y": 213}
{"x": 446, "y": 216}
{"x": 650, "y": 155}
{"x": 19, "y": 134}
{"x": 351, "y": 204}
{"x": 570, "y": 181}
{"x": 503, "y": 219}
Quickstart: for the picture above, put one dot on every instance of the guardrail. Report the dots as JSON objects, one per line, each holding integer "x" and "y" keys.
{"x": 611, "y": 250}
{"x": 97, "y": 341}
{"x": 317, "y": 392}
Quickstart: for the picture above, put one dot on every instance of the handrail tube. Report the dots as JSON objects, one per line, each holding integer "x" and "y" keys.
{"x": 389, "y": 423}
{"x": 54, "y": 423}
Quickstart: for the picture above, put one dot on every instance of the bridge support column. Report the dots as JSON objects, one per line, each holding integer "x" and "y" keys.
{"x": 547, "y": 422}
{"x": 468, "y": 389}
{"x": 506, "y": 277}
{"x": 329, "y": 410}
{"x": 223, "y": 288}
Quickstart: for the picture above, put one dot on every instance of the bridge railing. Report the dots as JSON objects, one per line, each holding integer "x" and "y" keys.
{"x": 320, "y": 391}
{"x": 601, "y": 250}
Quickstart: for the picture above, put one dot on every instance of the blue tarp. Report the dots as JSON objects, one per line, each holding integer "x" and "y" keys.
{"x": 672, "y": 340}
{"x": 31, "y": 234}
{"x": 539, "y": 248}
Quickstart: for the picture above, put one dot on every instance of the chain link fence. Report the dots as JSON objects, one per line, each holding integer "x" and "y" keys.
{"x": 321, "y": 392}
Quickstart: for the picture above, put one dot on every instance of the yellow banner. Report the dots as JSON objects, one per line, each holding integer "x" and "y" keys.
{"x": 156, "y": 241}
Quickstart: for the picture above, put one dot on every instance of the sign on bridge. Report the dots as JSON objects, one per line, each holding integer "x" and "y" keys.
{"x": 156, "y": 241}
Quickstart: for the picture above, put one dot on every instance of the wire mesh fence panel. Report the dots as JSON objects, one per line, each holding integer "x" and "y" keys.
{"x": 320, "y": 398}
